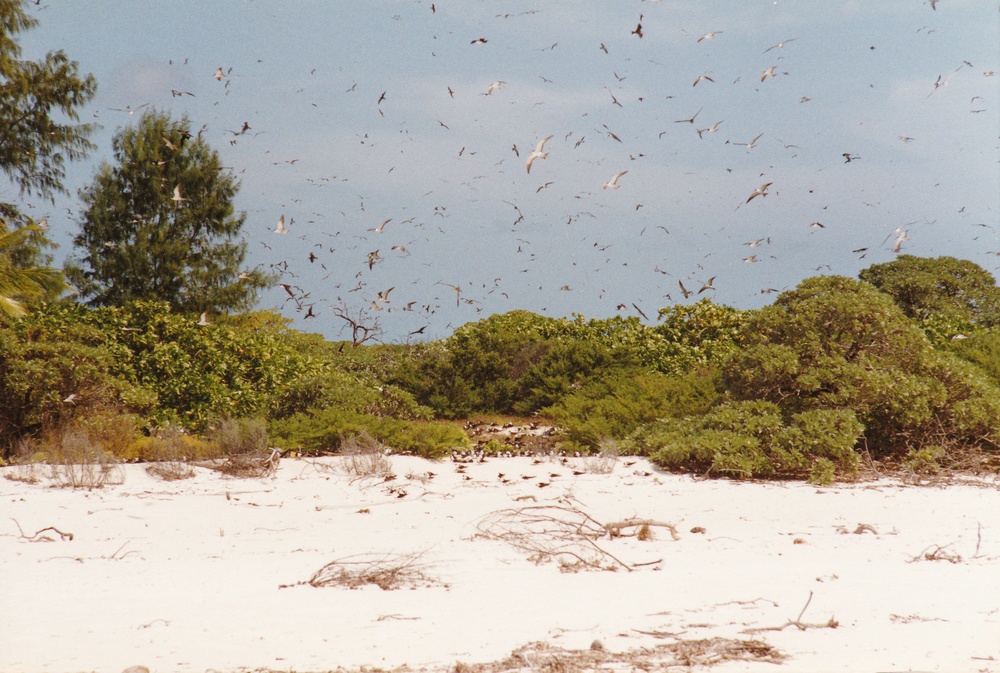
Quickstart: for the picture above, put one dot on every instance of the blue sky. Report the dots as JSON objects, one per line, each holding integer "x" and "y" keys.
{"x": 852, "y": 77}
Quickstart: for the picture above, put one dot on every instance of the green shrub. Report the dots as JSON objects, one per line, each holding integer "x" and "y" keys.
{"x": 836, "y": 343}
{"x": 239, "y": 436}
{"x": 613, "y": 406}
{"x": 938, "y": 287}
{"x": 752, "y": 439}
{"x": 326, "y": 429}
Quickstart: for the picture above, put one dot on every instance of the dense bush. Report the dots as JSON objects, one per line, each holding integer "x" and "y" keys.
{"x": 324, "y": 430}
{"x": 941, "y": 287}
{"x": 615, "y": 405}
{"x": 520, "y": 362}
{"x": 54, "y": 368}
{"x": 753, "y": 439}
{"x": 982, "y": 348}
{"x": 836, "y": 343}
{"x": 139, "y": 358}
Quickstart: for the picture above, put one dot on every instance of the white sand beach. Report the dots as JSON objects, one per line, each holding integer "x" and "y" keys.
{"x": 211, "y": 573}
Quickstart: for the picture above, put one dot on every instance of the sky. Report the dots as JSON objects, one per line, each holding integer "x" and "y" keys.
{"x": 877, "y": 136}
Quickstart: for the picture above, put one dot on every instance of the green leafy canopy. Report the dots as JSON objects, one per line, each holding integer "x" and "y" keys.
{"x": 160, "y": 225}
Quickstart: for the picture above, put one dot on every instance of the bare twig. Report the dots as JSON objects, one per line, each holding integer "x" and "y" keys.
{"x": 938, "y": 553}
{"x": 564, "y": 533}
{"x": 615, "y": 528}
{"x": 797, "y": 622}
{"x": 36, "y": 538}
{"x": 808, "y": 601}
{"x": 386, "y": 571}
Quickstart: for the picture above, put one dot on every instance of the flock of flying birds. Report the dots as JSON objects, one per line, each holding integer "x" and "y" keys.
{"x": 337, "y": 274}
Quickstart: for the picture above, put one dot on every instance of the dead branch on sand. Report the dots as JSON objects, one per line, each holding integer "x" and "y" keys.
{"x": 170, "y": 470}
{"x": 548, "y": 658}
{"x": 45, "y": 538}
{"x": 249, "y": 464}
{"x": 617, "y": 528}
{"x": 797, "y": 622}
{"x": 386, "y": 571}
{"x": 938, "y": 553}
{"x": 563, "y": 533}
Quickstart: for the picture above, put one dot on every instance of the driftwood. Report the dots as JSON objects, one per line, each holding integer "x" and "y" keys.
{"x": 36, "y": 538}
{"x": 565, "y": 534}
{"x": 797, "y": 622}
{"x": 386, "y": 571}
{"x": 617, "y": 528}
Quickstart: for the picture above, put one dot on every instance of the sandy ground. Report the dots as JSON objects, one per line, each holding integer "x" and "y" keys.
{"x": 211, "y": 572}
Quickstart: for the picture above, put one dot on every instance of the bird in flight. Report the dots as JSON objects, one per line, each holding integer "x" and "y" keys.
{"x": 493, "y": 87}
{"x": 760, "y": 191}
{"x": 752, "y": 144}
{"x": 711, "y": 129}
{"x": 613, "y": 182}
{"x": 708, "y": 285}
{"x": 703, "y": 78}
{"x": 203, "y": 321}
{"x": 767, "y": 73}
{"x": 537, "y": 153}
{"x": 691, "y": 120}
{"x": 379, "y": 228}
{"x": 687, "y": 293}
{"x": 177, "y": 198}
{"x": 780, "y": 45}
{"x": 281, "y": 228}
{"x": 709, "y": 36}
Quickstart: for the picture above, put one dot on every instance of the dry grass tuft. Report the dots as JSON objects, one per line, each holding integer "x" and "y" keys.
{"x": 167, "y": 453}
{"x": 364, "y": 456}
{"x": 386, "y": 571}
{"x": 937, "y": 553}
{"x": 547, "y": 658}
{"x": 604, "y": 461}
{"x": 245, "y": 445}
{"x": 76, "y": 461}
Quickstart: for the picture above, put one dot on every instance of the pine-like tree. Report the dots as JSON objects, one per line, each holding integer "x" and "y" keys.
{"x": 33, "y": 152}
{"x": 160, "y": 225}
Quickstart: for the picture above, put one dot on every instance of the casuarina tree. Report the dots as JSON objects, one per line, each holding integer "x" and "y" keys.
{"x": 39, "y": 132}
{"x": 159, "y": 224}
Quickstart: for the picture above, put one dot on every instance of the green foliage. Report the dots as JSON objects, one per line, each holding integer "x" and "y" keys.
{"x": 352, "y": 379}
{"x": 33, "y": 146}
{"x": 703, "y": 333}
{"x": 752, "y": 439}
{"x": 139, "y": 242}
{"x": 45, "y": 359}
{"x": 939, "y": 288}
{"x": 521, "y": 363}
{"x": 615, "y": 405}
{"x": 982, "y": 348}
{"x": 141, "y": 359}
{"x": 836, "y": 343}
{"x": 21, "y": 283}
{"x": 478, "y": 368}
{"x": 565, "y": 366}
{"x": 198, "y": 372}
{"x": 327, "y": 428}
{"x": 239, "y": 436}
{"x": 33, "y": 151}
